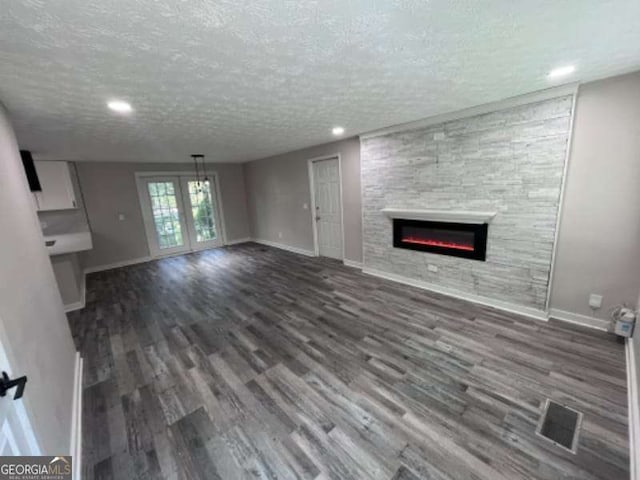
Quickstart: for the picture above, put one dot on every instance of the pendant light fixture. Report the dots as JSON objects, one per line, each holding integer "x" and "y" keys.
{"x": 195, "y": 157}
{"x": 204, "y": 169}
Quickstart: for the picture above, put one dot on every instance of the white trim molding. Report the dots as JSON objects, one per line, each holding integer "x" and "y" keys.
{"x": 353, "y": 264}
{"x": 540, "y": 96}
{"x": 489, "y": 302}
{"x": 579, "y": 319}
{"x": 238, "y": 240}
{"x": 124, "y": 263}
{"x": 76, "y": 419}
{"x": 456, "y": 216}
{"x": 562, "y": 315}
{"x": 563, "y": 183}
{"x": 634, "y": 409}
{"x": 282, "y": 246}
{"x": 583, "y": 320}
{"x": 145, "y": 259}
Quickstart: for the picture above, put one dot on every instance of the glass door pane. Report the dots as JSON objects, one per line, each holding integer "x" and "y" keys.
{"x": 202, "y": 210}
{"x": 166, "y": 228}
{"x": 202, "y": 213}
{"x": 166, "y": 216}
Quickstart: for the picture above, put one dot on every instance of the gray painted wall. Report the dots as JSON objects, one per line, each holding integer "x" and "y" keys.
{"x": 599, "y": 236}
{"x": 33, "y": 326}
{"x": 109, "y": 188}
{"x": 277, "y": 187}
{"x": 510, "y": 161}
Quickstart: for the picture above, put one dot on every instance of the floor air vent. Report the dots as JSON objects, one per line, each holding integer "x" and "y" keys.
{"x": 560, "y": 425}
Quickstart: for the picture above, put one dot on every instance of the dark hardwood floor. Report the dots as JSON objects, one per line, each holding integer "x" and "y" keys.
{"x": 251, "y": 362}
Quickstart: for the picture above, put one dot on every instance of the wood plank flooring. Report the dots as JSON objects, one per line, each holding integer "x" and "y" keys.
{"x": 252, "y": 362}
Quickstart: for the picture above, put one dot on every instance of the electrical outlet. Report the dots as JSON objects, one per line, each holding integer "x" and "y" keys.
{"x": 595, "y": 301}
{"x": 121, "y": 217}
{"x": 279, "y": 234}
{"x": 432, "y": 268}
{"x": 305, "y": 206}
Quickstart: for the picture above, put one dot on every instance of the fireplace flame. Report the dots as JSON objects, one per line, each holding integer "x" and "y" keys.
{"x": 438, "y": 243}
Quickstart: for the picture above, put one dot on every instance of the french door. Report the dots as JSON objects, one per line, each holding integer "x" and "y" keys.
{"x": 181, "y": 214}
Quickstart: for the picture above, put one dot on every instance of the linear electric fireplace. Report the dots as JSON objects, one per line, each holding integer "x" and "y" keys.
{"x": 467, "y": 240}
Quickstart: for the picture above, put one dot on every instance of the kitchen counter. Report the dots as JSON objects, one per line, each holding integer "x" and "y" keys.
{"x": 68, "y": 243}
{"x": 67, "y": 236}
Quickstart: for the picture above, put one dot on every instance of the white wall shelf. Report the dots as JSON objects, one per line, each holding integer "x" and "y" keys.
{"x": 456, "y": 216}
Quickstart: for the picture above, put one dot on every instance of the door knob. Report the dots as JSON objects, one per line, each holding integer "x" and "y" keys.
{"x": 317, "y": 218}
{"x": 6, "y": 383}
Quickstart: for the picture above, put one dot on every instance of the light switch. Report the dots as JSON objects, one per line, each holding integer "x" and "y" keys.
{"x": 121, "y": 216}
{"x": 305, "y": 206}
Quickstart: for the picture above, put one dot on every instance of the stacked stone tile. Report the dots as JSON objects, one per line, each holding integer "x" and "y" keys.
{"x": 510, "y": 161}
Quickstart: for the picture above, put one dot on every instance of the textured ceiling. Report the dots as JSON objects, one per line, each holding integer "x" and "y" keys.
{"x": 239, "y": 80}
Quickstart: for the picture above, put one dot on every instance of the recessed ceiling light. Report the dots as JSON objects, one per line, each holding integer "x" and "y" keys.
{"x": 561, "y": 71}
{"x": 337, "y": 130}
{"x": 120, "y": 106}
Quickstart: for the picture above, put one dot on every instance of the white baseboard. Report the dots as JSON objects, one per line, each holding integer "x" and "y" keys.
{"x": 124, "y": 263}
{"x": 505, "y": 306}
{"x": 562, "y": 315}
{"x": 633, "y": 394}
{"x": 282, "y": 246}
{"x": 135, "y": 261}
{"x": 579, "y": 319}
{"x": 351, "y": 263}
{"x": 238, "y": 240}
{"x": 76, "y": 419}
{"x": 79, "y": 305}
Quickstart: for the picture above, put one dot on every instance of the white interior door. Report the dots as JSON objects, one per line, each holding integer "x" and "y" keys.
{"x": 162, "y": 206}
{"x": 203, "y": 224}
{"x": 16, "y": 434}
{"x": 328, "y": 208}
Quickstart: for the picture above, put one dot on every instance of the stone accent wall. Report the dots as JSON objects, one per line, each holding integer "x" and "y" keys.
{"x": 510, "y": 161}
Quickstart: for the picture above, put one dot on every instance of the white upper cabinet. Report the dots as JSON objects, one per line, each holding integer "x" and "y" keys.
{"x": 57, "y": 190}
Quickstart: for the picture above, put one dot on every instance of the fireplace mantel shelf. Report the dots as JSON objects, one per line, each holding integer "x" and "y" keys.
{"x": 456, "y": 216}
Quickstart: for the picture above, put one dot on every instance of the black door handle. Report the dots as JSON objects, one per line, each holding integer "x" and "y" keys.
{"x": 6, "y": 383}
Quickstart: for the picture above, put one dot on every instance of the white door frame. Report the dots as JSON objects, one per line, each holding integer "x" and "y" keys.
{"x": 148, "y": 221}
{"x": 149, "y": 224}
{"x": 316, "y": 247}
